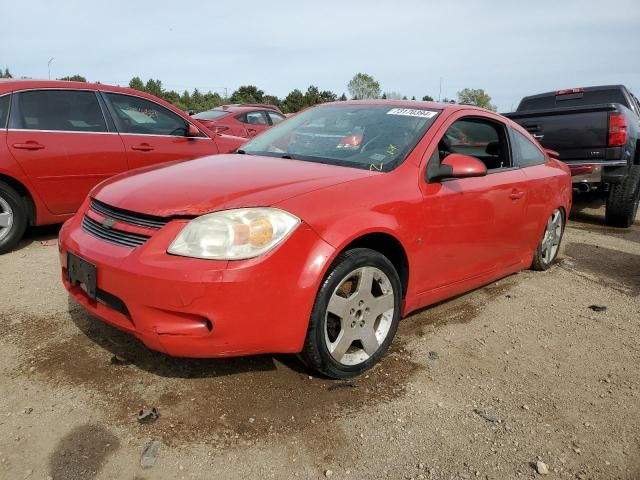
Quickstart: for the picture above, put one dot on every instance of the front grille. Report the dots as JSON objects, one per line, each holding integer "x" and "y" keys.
{"x": 112, "y": 235}
{"x": 132, "y": 218}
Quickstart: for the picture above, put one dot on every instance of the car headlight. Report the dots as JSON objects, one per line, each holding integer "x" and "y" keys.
{"x": 234, "y": 234}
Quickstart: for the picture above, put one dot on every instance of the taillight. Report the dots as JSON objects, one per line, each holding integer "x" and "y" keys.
{"x": 617, "y": 130}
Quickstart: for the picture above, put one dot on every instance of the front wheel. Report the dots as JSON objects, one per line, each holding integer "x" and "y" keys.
{"x": 549, "y": 246}
{"x": 355, "y": 315}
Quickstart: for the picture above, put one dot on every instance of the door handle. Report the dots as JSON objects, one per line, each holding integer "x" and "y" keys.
{"x": 516, "y": 194}
{"x": 30, "y": 145}
{"x": 143, "y": 147}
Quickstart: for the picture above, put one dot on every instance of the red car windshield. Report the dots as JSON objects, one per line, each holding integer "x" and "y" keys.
{"x": 373, "y": 137}
{"x": 210, "y": 115}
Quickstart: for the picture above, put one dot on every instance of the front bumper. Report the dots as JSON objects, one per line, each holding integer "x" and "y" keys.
{"x": 189, "y": 307}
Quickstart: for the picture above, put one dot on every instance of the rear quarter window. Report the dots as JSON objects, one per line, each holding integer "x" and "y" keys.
{"x": 527, "y": 152}
{"x": 4, "y": 110}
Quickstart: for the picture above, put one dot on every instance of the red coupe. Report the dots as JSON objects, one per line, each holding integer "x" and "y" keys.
{"x": 59, "y": 139}
{"x": 246, "y": 120}
{"x": 320, "y": 234}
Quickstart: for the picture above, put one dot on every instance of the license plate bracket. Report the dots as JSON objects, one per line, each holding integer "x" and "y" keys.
{"x": 81, "y": 272}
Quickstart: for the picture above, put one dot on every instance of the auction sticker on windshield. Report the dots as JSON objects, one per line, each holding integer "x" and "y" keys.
{"x": 411, "y": 112}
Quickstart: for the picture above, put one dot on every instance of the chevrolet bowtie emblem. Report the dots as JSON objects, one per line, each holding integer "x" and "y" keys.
{"x": 108, "y": 223}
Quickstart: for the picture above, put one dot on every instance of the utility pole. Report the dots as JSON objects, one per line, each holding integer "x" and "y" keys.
{"x": 49, "y": 66}
{"x": 440, "y": 90}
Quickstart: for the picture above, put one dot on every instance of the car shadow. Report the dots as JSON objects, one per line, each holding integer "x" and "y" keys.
{"x": 45, "y": 233}
{"x": 129, "y": 349}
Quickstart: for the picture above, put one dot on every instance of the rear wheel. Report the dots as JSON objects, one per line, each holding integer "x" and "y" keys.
{"x": 13, "y": 218}
{"x": 623, "y": 199}
{"x": 355, "y": 315}
{"x": 549, "y": 246}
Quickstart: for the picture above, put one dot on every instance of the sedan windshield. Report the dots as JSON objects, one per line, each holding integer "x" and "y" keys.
{"x": 372, "y": 137}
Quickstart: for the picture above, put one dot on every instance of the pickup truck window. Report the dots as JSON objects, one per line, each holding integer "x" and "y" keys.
{"x": 528, "y": 153}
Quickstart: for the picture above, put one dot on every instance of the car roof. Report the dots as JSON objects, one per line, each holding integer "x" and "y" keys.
{"x": 15, "y": 84}
{"x": 411, "y": 104}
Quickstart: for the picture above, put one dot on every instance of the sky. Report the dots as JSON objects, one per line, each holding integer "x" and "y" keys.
{"x": 508, "y": 48}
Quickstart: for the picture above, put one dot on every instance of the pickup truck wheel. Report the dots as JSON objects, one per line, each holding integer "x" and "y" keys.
{"x": 13, "y": 218}
{"x": 622, "y": 203}
{"x": 549, "y": 246}
{"x": 355, "y": 316}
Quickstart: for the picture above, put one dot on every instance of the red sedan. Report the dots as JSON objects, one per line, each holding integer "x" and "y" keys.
{"x": 247, "y": 120}
{"x": 59, "y": 139}
{"x": 320, "y": 234}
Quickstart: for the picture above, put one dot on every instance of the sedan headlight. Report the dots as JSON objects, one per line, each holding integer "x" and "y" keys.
{"x": 234, "y": 234}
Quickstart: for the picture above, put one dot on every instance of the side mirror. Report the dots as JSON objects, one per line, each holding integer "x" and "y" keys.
{"x": 192, "y": 131}
{"x": 456, "y": 165}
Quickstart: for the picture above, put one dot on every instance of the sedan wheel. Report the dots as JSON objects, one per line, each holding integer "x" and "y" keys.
{"x": 6, "y": 218}
{"x": 550, "y": 244}
{"x": 13, "y": 218}
{"x": 355, "y": 316}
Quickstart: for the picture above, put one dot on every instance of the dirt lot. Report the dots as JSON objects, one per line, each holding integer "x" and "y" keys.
{"x": 482, "y": 386}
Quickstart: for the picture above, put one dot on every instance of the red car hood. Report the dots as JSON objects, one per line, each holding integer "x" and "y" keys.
{"x": 219, "y": 182}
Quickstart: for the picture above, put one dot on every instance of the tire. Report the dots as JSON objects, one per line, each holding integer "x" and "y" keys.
{"x": 352, "y": 325}
{"x": 623, "y": 199}
{"x": 13, "y": 218}
{"x": 550, "y": 243}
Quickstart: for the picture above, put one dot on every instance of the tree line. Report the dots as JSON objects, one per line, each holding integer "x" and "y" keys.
{"x": 362, "y": 86}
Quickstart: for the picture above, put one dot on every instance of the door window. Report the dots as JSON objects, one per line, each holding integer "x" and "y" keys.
{"x": 528, "y": 153}
{"x": 256, "y": 118}
{"x": 275, "y": 117}
{"x": 139, "y": 116}
{"x": 59, "y": 110}
{"x": 480, "y": 138}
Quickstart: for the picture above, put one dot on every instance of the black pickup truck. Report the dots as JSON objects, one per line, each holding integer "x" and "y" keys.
{"x": 595, "y": 130}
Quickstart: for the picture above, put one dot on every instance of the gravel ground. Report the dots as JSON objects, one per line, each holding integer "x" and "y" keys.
{"x": 518, "y": 377}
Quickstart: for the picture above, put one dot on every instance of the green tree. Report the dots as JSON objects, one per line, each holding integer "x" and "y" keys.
{"x": 343, "y": 98}
{"x": 272, "y": 100}
{"x": 427, "y": 98}
{"x": 477, "y": 97}
{"x": 172, "y": 97}
{"x": 5, "y": 74}
{"x": 154, "y": 87}
{"x": 247, "y": 94}
{"x": 74, "y": 78}
{"x": 328, "y": 96}
{"x": 137, "y": 84}
{"x": 185, "y": 99}
{"x": 294, "y": 102}
{"x": 363, "y": 86}
{"x": 413, "y": 98}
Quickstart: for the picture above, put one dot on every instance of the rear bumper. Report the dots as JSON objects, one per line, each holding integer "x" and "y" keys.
{"x": 589, "y": 171}
{"x": 198, "y": 308}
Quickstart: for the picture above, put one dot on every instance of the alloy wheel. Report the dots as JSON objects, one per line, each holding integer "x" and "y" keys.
{"x": 6, "y": 218}
{"x": 359, "y": 315}
{"x": 552, "y": 236}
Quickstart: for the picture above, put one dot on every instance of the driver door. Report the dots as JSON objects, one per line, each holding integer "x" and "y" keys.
{"x": 472, "y": 226}
{"x": 153, "y": 134}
